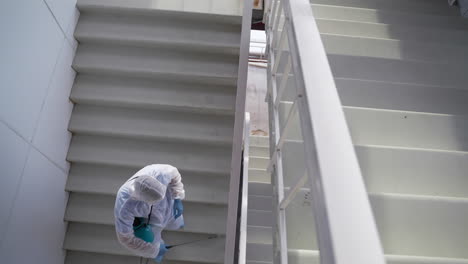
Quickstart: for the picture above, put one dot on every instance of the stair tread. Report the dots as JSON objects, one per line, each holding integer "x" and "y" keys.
{"x": 145, "y": 61}
{"x": 259, "y": 175}
{"x": 260, "y": 218}
{"x": 139, "y": 153}
{"x": 414, "y": 171}
{"x": 395, "y": 49}
{"x": 260, "y": 202}
{"x": 424, "y": 7}
{"x": 407, "y": 129}
{"x": 99, "y": 209}
{"x": 100, "y": 179}
{"x": 142, "y": 123}
{"x": 372, "y": 15}
{"x": 163, "y": 29}
{"x": 259, "y": 151}
{"x": 261, "y": 141}
{"x": 153, "y": 93}
{"x": 449, "y": 37}
{"x": 312, "y": 256}
{"x": 82, "y": 257}
{"x": 260, "y": 188}
{"x": 404, "y": 97}
{"x": 259, "y": 252}
{"x": 259, "y": 234}
{"x": 256, "y": 162}
{"x": 399, "y": 71}
{"x": 422, "y": 225}
{"x": 216, "y": 13}
{"x": 102, "y": 239}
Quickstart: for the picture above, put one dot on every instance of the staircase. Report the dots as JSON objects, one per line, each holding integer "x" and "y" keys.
{"x": 400, "y": 67}
{"x": 259, "y": 215}
{"x": 153, "y": 86}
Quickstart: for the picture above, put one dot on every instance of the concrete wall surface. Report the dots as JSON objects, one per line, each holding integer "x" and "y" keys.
{"x": 36, "y": 77}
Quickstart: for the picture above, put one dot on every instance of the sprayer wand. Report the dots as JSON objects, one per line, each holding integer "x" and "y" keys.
{"x": 194, "y": 241}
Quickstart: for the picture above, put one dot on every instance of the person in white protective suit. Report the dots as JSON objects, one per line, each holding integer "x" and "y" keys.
{"x": 152, "y": 195}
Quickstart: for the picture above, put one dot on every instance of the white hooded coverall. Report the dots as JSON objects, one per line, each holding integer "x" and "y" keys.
{"x": 135, "y": 198}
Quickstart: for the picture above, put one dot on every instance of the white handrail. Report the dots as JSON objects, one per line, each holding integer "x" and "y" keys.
{"x": 245, "y": 194}
{"x": 231, "y": 220}
{"x": 346, "y": 229}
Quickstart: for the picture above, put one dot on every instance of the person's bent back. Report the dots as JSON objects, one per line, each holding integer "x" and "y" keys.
{"x": 152, "y": 196}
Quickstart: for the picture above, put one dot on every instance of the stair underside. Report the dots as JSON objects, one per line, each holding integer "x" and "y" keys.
{"x": 153, "y": 86}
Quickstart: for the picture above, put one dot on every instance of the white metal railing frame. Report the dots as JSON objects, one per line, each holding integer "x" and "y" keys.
{"x": 230, "y": 253}
{"x": 245, "y": 194}
{"x": 346, "y": 229}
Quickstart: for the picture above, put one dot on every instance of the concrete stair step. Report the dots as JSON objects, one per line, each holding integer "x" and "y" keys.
{"x": 416, "y": 6}
{"x": 404, "y": 97}
{"x": 135, "y": 61}
{"x": 398, "y": 71}
{"x": 381, "y": 16}
{"x": 395, "y": 49}
{"x": 102, "y": 179}
{"x": 297, "y": 256}
{"x": 312, "y": 257}
{"x": 414, "y": 171}
{"x": 258, "y": 162}
{"x": 81, "y": 257}
{"x": 259, "y": 175}
{"x": 259, "y": 234}
{"x": 407, "y": 129}
{"x": 260, "y": 218}
{"x": 260, "y": 202}
{"x": 214, "y": 13}
{"x": 139, "y": 153}
{"x": 153, "y": 94}
{"x": 151, "y": 124}
{"x": 258, "y": 151}
{"x": 260, "y": 188}
{"x": 260, "y": 141}
{"x": 99, "y": 209}
{"x": 165, "y": 28}
{"x": 427, "y": 226}
{"x": 259, "y": 252}
{"x": 395, "y": 32}
{"x": 102, "y": 239}
{"x": 258, "y": 262}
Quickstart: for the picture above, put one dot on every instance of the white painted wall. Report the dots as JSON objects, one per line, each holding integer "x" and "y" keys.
{"x": 36, "y": 51}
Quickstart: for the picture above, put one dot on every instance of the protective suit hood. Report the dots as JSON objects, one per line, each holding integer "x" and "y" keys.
{"x": 148, "y": 189}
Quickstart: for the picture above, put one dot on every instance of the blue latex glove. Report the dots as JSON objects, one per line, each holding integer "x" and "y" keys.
{"x": 162, "y": 250}
{"x": 178, "y": 208}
